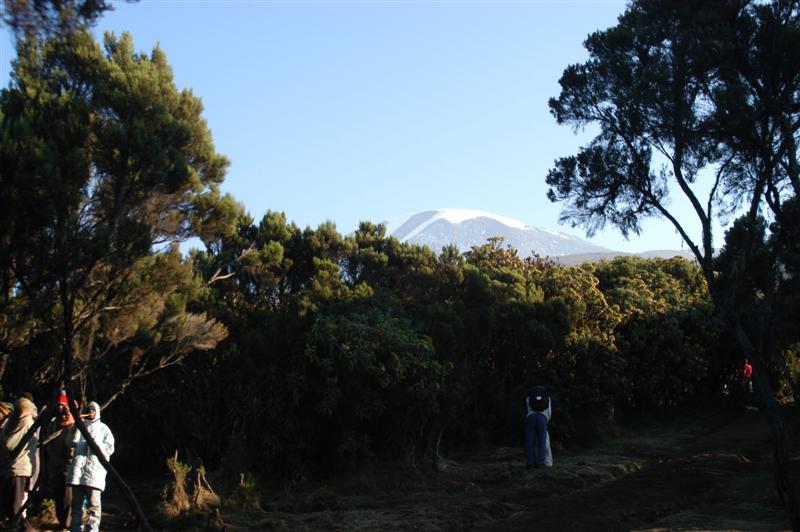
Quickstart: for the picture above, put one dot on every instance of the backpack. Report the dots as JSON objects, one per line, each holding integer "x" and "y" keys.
{"x": 539, "y": 399}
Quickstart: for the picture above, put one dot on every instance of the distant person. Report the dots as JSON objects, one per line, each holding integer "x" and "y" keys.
{"x": 538, "y": 408}
{"x": 747, "y": 374}
{"x": 741, "y": 388}
{"x": 58, "y": 451}
{"x": 16, "y": 476}
{"x": 86, "y": 474}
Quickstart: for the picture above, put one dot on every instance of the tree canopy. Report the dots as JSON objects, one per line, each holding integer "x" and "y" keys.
{"x": 44, "y": 18}
{"x": 697, "y": 104}
{"x": 106, "y": 166}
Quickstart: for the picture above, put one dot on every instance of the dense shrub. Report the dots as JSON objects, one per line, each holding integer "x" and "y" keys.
{"x": 342, "y": 349}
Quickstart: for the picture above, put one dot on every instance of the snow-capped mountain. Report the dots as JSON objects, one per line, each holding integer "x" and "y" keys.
{"x": 466, "y": 228}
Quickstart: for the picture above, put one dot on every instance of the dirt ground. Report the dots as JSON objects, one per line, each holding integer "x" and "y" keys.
{"x": 708, "y": 471}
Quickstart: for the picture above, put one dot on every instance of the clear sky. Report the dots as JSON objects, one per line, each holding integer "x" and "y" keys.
{"x": 366, "y": 110}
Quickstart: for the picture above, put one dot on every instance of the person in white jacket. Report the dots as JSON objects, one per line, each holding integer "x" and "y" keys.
{"x": 86, "y": 474}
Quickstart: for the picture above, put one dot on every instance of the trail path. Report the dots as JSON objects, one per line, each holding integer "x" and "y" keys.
{"x": 721, "y": 481}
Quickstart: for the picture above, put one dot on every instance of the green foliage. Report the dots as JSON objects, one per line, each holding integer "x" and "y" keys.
{"x": 668, "y": 329}
{"x": 311, "y": 351}
{"x": 759, "y": 274}
{"x": 344, "y": 348}
{"x": 375, "y": 378}
{"x": 51, "y": 17}
{"x": 106, "y": 166}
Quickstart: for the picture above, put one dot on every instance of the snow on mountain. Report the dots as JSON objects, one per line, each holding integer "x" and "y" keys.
{"x": 466, "y": 228}
{"x": 455, "y": 216}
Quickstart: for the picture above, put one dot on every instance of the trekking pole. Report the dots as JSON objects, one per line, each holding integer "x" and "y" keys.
{"x": 126, "y": 490}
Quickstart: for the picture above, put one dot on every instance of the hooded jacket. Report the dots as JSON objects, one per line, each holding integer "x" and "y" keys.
{"x": 86, "y": 469}
{"x": 18, "y": 425}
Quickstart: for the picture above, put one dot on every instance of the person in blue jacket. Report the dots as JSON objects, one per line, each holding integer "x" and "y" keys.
{"x": 539, "y": 409}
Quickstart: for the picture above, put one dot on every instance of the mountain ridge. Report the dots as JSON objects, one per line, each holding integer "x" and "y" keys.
{"x": 465, "y": 228}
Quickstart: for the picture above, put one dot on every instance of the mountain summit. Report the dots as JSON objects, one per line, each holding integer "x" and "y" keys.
{"x": 466, "y": 228}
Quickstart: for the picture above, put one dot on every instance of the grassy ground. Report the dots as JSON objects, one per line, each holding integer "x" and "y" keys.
{"x": 709, "y": 471}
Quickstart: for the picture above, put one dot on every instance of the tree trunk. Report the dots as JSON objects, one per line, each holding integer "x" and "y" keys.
{"x": 726, "y": 303}
{"x": 777, "y": 424}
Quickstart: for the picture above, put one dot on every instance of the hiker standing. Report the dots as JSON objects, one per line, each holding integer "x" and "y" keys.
{"x": 36, "y": 463}
{"x": 86, "y": 474}
{"x": 747, "y": 374}
{"x": 16, "y": 476}
{"x": 58, "y": 451}
{"x": 537, "y": 438}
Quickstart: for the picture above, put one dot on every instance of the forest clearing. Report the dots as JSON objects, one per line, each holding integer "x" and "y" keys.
{"x": 704, "y": 471}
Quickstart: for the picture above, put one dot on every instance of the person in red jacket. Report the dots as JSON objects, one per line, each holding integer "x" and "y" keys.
{"x": 747, "y": 375}
{"x": 747, "y": 370}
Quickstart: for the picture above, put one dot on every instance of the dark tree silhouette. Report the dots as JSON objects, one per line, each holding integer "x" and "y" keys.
{"x": 693, "y": 97}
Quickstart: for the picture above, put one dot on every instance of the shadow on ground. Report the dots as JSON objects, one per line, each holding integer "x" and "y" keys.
{"x": 708, "y": 471}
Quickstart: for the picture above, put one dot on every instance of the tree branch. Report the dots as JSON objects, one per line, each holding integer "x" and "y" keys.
{"x": 218, "y": 276}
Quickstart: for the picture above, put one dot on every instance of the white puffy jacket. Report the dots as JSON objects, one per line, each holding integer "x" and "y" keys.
{"x": 86, "y": 469}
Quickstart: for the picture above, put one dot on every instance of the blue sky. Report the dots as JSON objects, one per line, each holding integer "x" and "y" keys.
{"x": 366, "y": 110}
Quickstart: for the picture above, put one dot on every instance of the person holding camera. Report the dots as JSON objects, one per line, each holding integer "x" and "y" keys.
{"x": 58, "y": 452}
{"x": 538, "y": 410}
{"x": 17, "y": 476}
